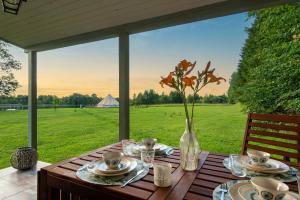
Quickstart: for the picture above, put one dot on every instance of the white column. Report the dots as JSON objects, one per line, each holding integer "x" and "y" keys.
{"x": 124, "y": 86}
{"x": 32, "y": 99}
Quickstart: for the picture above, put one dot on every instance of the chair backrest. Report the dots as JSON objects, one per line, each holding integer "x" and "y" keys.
{"x": 278, "y": 135}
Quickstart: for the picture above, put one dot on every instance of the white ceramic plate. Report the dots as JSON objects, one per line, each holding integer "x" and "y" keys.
{"x": 136, "y": 149}
{"x": 123, "y": 166}
{"x": 133, "y": 164}
{"x": 247, "y": 192}
{"x": 272, "y": 166}
{"x": 233, "y": 191}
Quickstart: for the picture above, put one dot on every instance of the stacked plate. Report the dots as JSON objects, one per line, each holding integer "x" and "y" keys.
{"x": 160, "y": 149}
{"x": 270, "y": 167}
{"x": 245, "y": 191}
{"x": 126, "y": 165}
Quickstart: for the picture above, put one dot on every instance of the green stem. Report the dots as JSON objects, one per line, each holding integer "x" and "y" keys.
{"x": 192, "y": 117}
{"x": 186, "y": 111}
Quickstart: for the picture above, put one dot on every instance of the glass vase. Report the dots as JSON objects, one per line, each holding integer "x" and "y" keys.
{"x": 189, "y": 148}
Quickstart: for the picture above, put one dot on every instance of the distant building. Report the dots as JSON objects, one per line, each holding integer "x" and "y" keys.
{"x": 108, "y": 102}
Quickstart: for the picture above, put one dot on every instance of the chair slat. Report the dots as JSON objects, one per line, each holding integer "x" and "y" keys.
{"x": 274, "y": 126}
{"x": 276, "y": 118}
{"x": 274, "y": 143}
{"x": 275, "y": 135}
{"x": 273, "y": 151}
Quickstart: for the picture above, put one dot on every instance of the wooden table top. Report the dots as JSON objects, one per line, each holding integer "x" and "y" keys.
{"x": 185, "y": 185}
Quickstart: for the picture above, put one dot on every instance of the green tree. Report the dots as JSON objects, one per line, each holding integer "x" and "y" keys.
{"x": 175, "y": 97}
{"x": 268, "y": 76}
{"x": 8, "y": 64}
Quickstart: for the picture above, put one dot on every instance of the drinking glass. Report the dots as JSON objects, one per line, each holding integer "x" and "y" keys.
{"x": 162, "y": 174}
{"x": 298, "y": 181}
{"x": 127, "y": 146}
{"x": 148, "y": 156}
{"x": 237, "y": 165}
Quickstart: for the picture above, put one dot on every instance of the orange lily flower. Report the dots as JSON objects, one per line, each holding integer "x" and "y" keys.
{"x": 168, "y": 80}
{"x": 184, "y": 64}
{"x": 213, "y": 78}
{"x": 189, "y": 81}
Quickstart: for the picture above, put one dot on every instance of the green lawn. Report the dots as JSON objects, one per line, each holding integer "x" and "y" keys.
{"x": 66, "y": 133}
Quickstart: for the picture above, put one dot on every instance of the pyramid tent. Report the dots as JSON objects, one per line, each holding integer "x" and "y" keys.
{"x": 108, "y": 102}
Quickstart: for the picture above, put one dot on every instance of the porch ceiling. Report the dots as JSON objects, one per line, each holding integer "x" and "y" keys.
{"x": 48, "y": 24}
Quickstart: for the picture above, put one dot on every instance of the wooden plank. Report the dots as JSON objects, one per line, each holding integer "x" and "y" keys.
{"x": 70, "y": 166}
{"x": 216, "y": 156}
{"x": 275, "y": 135}
{"x": 217, "y": 164}
{"x": 204, "y": 183}
{"x": 75, "y": 185}
{"x": 193, "y": 196}
{"x": 217, "y": 160}
{"x": 244, "y": 148}
{"x": 276, "y": 118}
{"x": 144, "y": 185}
{"x": 79, "y": 162}
{"x": 54, "y": 193}
{"x": 166, "y": 159}
{"x": 201, "y": 190}
{"x": 186, "y": 181}
{"x": 213, "y": 178}
{"x": 274, "y": 151}
{"x": 218, "y": 169}
{"x": 218, "y": 174}
{"x": 64, "y": 195}
{"x": 274, "y": 143}
{"x": 75, "y": 197}
{"x": 42, "y": 185}
{"x": 274, "y": 126}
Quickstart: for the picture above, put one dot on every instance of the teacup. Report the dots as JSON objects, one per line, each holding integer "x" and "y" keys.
{"x": 149, "y": 143}
{"x": 258, "y": 157}
{"x": 269, "y": 188}
{"x": 112, "y": 159}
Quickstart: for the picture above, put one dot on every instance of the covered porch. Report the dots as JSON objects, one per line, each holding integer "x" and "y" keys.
{"x": 47, "y": 25}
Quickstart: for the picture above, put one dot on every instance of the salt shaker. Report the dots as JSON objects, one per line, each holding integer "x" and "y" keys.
{"x": 162, "y": 174}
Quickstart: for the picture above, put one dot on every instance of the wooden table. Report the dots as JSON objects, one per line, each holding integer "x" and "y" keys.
{"x": 59, "y": 181}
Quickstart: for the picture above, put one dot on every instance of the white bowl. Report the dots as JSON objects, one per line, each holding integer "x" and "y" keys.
{"x": 269, "y": 188}
{"x": 258, "y": 157}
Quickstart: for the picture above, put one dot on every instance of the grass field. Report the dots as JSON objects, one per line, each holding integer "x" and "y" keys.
{"x": 66, "y": 132}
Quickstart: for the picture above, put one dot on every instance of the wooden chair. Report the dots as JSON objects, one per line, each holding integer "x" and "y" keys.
{"x": 278, "y": 135}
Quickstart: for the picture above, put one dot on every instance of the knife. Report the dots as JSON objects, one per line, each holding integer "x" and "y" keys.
{"x": 138, "y": 173}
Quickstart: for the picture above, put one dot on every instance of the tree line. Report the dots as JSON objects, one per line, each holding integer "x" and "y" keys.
{"x": 148, "y": 97}
{"x": 268, "y": 75}
{"x": 75, "y": 99}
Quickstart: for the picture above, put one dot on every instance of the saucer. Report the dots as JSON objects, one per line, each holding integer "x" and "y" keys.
{"x": 123, "y": 166}
{"x": 233, "y": 190}
{"x": 247, "y": 192}
{"x": 132, "y": 166}
{"x": 272, "y": 166}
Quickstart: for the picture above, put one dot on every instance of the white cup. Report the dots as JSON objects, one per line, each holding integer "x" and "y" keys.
{"x": 269, "y": 188}
{"x": 258, "y": 157}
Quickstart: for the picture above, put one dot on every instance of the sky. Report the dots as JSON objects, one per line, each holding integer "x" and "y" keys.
{"x": 93, "y": 67}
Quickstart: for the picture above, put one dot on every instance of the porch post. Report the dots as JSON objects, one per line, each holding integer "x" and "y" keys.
{"x": 124, "y": 86}
{"x": 32, "y": 99}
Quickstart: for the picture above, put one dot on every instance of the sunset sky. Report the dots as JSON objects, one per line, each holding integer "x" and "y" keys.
{"x": 93, "y": 67}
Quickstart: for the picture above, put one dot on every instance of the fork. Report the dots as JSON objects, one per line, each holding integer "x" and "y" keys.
{"x": 224, "y": 190}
